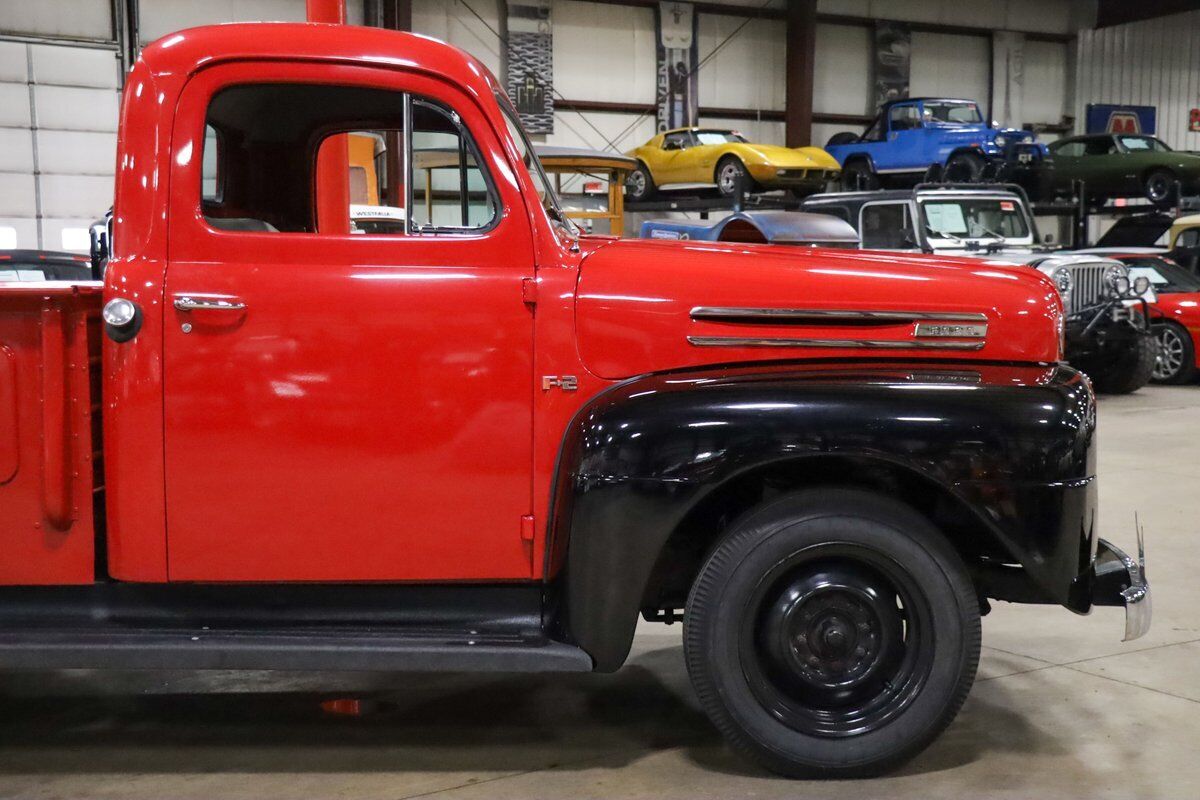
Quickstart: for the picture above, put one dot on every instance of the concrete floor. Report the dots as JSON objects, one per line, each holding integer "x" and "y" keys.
{"x": 1061, "y": 708}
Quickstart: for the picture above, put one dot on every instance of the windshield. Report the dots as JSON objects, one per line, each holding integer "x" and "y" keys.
{"x": 1143, "y": 144}
{"x": 541, "y": 183}
{"x": 718, "y": 137}
{"x": 1165, "y": 275}
{"x": 975, "y": 218}
{"x": 956, "y": 111}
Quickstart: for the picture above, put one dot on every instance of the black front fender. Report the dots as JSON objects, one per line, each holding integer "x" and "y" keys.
{"x": 1014, "y": 444}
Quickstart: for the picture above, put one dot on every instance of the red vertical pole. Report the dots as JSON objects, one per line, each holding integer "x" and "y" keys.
{"x": 333, "y": 163}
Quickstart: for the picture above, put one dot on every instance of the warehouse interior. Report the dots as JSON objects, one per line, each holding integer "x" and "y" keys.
{"x": 1061, "y": 707}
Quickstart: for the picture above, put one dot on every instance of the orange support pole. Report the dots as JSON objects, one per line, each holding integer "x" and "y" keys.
{"x": 333, "y": 163}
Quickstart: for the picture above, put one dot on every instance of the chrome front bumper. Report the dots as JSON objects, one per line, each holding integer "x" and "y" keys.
{"x": 1118, "y": 580}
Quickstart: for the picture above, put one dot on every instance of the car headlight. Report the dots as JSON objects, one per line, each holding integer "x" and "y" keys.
{"x": 1000, "y": 140}
{"x": 1062, "y": 280}
{"x": 1141, "y": 285}
{"x": 1116, "y": 278}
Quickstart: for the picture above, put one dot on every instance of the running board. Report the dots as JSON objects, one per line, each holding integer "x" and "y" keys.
{"x": 350, "y": 650}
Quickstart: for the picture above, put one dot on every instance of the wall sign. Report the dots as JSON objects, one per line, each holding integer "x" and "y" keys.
{"x": 677, "y": 95}
{"x": 1121, "y": 119}
{"x": 1194, "y": 120}
{"x": 893, "y": 61}
{"x": 530, "y": 51}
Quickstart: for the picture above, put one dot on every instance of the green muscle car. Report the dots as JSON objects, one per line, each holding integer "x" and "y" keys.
{"x": 1123, "y": 165}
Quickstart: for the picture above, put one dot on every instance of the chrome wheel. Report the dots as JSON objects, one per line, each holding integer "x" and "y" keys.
{"x": 635, "y": 184}
{"x": 729, "y": 176}
{"x": 1158, "y": 187}
{"x": 1170, "y": 354}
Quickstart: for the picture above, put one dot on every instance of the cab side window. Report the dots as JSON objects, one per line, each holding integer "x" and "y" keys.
{"x": 886, "y": 226}
{"x": 298, "y": 158}
{"x": 1069, "y": 149}
{"x": 676, "y": 141}
{"x": 904, "y": 118}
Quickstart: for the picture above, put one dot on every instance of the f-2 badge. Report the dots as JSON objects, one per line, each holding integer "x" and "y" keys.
{"x": 568, "y": 383}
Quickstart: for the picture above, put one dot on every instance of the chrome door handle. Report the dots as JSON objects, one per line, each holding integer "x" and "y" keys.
{"x": 208, "y": 302}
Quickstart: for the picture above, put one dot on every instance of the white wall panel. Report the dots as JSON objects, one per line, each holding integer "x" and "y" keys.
{"x": 451, "y": 22}
{"x": 1046, "y": 90}
{"x": 14, "y": 105}
{"x": 16, "y": 150}
{"x": 76, "y": 195}
{"x": 71, "y": 108}
{"x": 76, "y": 152}
{"x": 21, "y": 231}
{"x": 1154, "y": 63}
{"x": 1043, "y": 16}
{"x": 75, "y": 66}
{"x": 842, "y": 79}
{"x": 747, "y": 72}
{"x": 13, "y": 62}
{"x": 17, "y": 195}
{"x": 945, "y": 65}
{"x": 618, "y": 40}
{"x": 78, "y": 18}
{"x": 625, "y": 131}
{"x": 160, "y": 17}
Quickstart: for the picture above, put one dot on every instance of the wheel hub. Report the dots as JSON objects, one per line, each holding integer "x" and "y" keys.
{"x": 835, "y": 648}
{"x": 829, "y": 633}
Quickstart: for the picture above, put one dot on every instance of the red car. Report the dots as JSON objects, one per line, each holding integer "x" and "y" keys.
{"x": 477, "y": 440}
{"x": 1175, "y": 315}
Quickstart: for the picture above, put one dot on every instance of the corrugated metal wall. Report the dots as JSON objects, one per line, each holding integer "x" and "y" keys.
{"x": 1152, "y": 63}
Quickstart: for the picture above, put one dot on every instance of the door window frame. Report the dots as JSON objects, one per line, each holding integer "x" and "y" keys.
{"x": 192, "y": 239}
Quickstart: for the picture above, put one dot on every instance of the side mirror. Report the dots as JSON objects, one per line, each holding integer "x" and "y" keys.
{"x": 1048, "y": 238}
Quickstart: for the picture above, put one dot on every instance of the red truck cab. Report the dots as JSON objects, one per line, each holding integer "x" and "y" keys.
{"x": 487, "y": 442}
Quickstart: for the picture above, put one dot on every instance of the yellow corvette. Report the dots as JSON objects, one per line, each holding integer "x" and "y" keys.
{"x": 689, "y": 158}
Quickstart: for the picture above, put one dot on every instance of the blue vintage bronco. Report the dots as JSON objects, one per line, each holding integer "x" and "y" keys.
{"x": 934, "y": 139}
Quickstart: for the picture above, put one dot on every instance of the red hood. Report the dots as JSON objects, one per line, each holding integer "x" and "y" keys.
{"x": 647, "y": 306}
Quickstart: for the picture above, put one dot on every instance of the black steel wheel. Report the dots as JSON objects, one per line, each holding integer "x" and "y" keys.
{"x": 1176, "y": 361}
{"x": 832, "y": 633}
{"x": 639, "y": 185}
{"x": 857, "y": 176}
{"x": 964, "y": 168}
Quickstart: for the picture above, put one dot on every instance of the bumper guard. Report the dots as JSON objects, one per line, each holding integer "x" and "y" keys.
{"x": 1118, "y": 580}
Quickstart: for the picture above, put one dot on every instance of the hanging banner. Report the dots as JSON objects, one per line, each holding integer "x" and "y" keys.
{"x": 893, "y": 59}
{"x": 531, "y": 63}
{"x": 677, "y": 96}
{"x": 1121, "y": 119}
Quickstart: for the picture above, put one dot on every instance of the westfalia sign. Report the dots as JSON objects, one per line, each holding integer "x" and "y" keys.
{"x": 1121, "y": 119}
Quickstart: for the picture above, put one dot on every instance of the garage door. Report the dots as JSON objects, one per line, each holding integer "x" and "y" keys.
{"x": 58, "y": 123}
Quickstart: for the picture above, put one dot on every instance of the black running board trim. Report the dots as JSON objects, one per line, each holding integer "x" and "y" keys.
{"x": 302, "y": 650}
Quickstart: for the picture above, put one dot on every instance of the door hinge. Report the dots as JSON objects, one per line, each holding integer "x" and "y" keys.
{"x": 529, "y": 291}
{"x": 527, "y": 528}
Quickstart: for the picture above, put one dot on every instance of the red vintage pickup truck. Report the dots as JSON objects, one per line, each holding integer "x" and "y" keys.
{"x": 476, "y": 440}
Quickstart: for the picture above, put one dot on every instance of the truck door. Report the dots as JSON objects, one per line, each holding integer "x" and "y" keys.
{"x": 905, "y": 150}
{"x": 345, "y": 400}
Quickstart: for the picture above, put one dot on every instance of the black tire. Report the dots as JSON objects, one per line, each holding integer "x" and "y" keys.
{"x": 857, "y": 176}
{"x": 1159, "y": 186}
{"x": 842, "y": 137}
{"x": 1131, "y": 370}
{"x": 897, "y": 689}
{"x": 639, "y": 185}
{"x": 1176, "y": 361}
{"x": 731, "y": 177}
{"x": 964, "y": 168}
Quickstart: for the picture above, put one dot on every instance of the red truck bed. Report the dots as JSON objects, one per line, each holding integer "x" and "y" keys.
{"x": 50, "y": 470}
